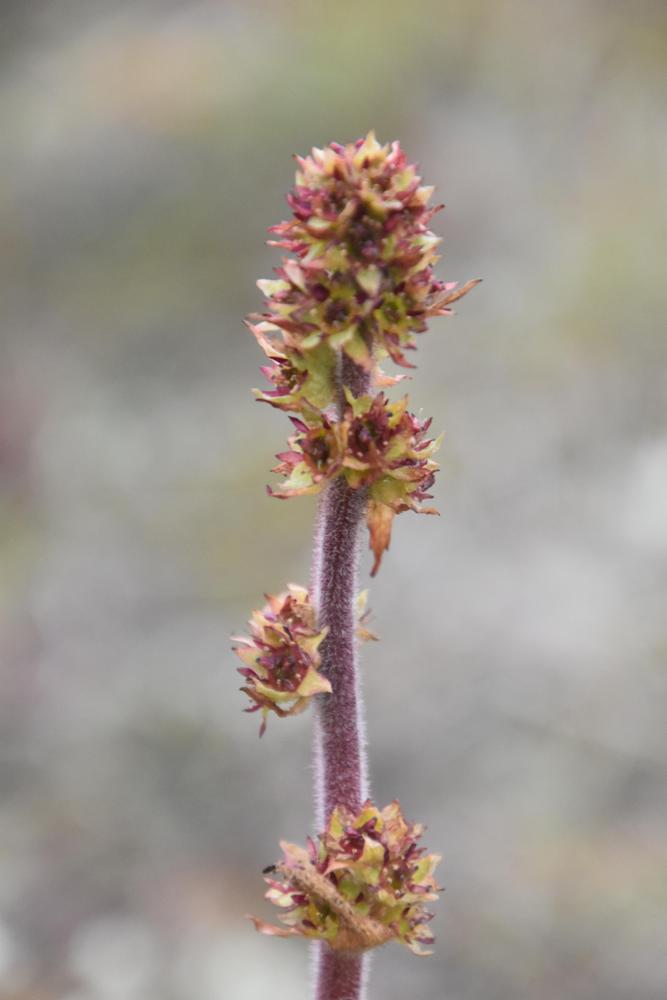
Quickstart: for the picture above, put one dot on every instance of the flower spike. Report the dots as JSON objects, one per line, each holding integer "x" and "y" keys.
{"x": 356, "y": 285}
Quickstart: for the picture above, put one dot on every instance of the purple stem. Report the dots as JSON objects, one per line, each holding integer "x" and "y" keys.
{"x": 340, "y": 975}
{"x": 340, "y": 763}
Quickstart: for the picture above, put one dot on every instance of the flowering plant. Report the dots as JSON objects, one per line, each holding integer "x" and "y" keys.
{"x": 355, "y": 288}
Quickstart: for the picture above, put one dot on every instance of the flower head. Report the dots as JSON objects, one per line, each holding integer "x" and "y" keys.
{"x": 281, "y": 659}
{"x": 377, "y": 444}
{"x": 364, "y": 883}
{"x": 361, "y": 276}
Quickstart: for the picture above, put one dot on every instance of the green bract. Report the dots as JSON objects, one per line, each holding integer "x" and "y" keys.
{"x": 355, "y": 287}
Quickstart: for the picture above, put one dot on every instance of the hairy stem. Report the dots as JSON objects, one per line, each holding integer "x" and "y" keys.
{"x": 340, "y": 975}
{"x": 340, "y": 777}
{"x": 340, "y": 763}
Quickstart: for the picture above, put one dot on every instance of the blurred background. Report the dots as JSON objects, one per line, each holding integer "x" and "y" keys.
{"x": 516, "y": 701}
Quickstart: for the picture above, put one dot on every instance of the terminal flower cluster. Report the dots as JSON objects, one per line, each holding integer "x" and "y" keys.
{"x": 361, "y": 278}
{"x": 364, "y": 883}
{"x": 360, "y": 282}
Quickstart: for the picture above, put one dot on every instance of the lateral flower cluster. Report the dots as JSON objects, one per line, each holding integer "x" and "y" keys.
{"x": 364, "y": 883}
{"x": 377, "y": 445}
{"x": 280, "y": 658}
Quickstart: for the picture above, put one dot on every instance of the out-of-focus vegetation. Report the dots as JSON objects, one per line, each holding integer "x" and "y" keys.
{"x": 515, "y": 702}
